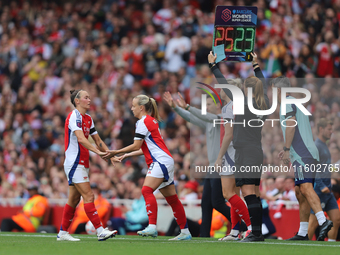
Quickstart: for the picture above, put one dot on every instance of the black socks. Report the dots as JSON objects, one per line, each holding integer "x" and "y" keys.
{"x": 255, "y": 213}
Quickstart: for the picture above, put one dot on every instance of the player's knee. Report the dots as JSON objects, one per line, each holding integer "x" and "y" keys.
{"x": 73, "y": 201}
{"x": 88, "y": 197}
{"x": 76, "y": 201}
{"x": 227, "y": 194}
{"x": 146, "y": 191}
{"x": 306, "y": 189}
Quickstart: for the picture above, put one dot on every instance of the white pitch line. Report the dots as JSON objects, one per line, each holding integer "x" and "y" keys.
{"x": 192, "y": 241}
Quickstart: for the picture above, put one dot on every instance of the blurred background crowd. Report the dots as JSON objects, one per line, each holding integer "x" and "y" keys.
{"x": 118, "y": 49}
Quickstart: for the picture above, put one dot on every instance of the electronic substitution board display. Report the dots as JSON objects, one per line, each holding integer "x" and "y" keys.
{"x": 235, "y": 28}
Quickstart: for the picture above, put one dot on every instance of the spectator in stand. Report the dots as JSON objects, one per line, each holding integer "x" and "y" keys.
{"x": 274, "y": 53}
{"x": 190, "y": 191}
{"x": 326, "y": 51}
{"x": 287, "y": 195}
{"x": 175, "y": 48}
{"x": 31, "y": 216}
{"x": 269, "y": 187}
{"x": 134, "y": 219}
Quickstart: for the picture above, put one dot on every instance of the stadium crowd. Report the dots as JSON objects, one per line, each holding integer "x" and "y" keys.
{"x": 119, "y": 49}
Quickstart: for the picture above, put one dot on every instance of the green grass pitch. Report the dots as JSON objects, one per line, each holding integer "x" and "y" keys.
{"x": 36, "y": 244}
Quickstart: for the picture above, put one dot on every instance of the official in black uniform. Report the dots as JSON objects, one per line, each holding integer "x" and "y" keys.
{"x": 247, "y": 143}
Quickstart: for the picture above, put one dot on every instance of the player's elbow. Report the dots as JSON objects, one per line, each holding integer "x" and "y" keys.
{"x": 136, "y": 147}
{"x": 228, "y": 135}
{"x": 81, "y": 140}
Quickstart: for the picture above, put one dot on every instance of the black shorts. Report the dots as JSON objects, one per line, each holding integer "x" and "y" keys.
{"x": 248, "y": 163}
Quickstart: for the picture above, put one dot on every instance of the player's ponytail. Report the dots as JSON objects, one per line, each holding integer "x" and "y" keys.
{"x": 154, "y": 110}
{"x": 150, "y": 106}
{"x": 257, "y": 86}
{"x": 74, "y": 94}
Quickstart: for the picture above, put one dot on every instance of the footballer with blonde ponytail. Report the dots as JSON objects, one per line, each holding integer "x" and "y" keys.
{"x": 150, "y": 106}
{"x": 148, "y": 141}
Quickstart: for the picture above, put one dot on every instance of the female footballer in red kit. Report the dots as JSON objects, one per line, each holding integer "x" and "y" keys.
{"x": 78, "y": 127}
{"x": 149, "y": 142}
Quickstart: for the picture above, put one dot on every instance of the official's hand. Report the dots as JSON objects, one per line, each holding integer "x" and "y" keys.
{"x": 280, "y": 156}
{"x": 168, "y": 98}
{"x": 286, "y": 158}
{"x": 181, "y": 102}
{"x": 212, "y": 58}
{"x": 254, "y": 55}
{"x": 325, "y": 190}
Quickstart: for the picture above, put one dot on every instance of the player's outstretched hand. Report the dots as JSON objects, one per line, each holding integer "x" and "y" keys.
{"x": 254, "y": 55}
{"x": 181, "y": 102}
{"x": 100, "y": 153}
{"x": 114, "y": 159}
{"x": 109, "y": 154}
{"x": 212, "y": 58}
{"x": 168, "y": 98}
{"x": 121, "y": 158}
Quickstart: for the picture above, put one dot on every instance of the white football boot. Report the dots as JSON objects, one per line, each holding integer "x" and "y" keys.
{"x": 181, "y": 237}
{"x": 229, "y": 238}
{"x": 148, "y": 231}
{"x": 66, "y": 237}
{"x": 106, "y": 234}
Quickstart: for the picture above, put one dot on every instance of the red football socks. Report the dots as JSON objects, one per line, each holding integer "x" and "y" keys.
{"x": 67, "y": 218}
{"x": 240, "y": 208}
{"x": 178, "y": 211}
{"x": 151, "y": 204}
{"x": 92, "y": 214}
{"x": 235, "y": 218}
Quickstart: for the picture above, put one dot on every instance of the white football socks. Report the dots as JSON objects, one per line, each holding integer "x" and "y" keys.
{"x": 185, "y": 231}
{"x": 234, "y": 232}
{"x": 303, "y": 230}
{"x": 99, "y": 230}
{"x": 321, "y": 217}
{"x": 62, "y": 232}
{"x": 153, "y": 226}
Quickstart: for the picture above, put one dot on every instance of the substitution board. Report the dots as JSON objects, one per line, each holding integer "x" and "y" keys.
{"x": 235, "y": 28}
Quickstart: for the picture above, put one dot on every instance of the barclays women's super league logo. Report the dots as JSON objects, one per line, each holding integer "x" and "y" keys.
{"x": 226, "y": 15}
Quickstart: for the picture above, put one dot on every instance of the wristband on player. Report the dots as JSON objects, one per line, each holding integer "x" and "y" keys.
{"x": 256, "y": 64}
{"x": 187, "y": 107}
{"x": 212, "y": 64}
{"x": 286, "y": 149}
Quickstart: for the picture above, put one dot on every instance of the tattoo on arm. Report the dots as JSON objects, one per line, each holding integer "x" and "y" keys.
{"x": 100, "y": 145}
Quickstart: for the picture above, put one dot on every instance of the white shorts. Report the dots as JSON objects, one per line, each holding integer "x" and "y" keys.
{"x": 78, "y": 175}
{"x": 228, "y": 162}
{"x": 159, "y": 170}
